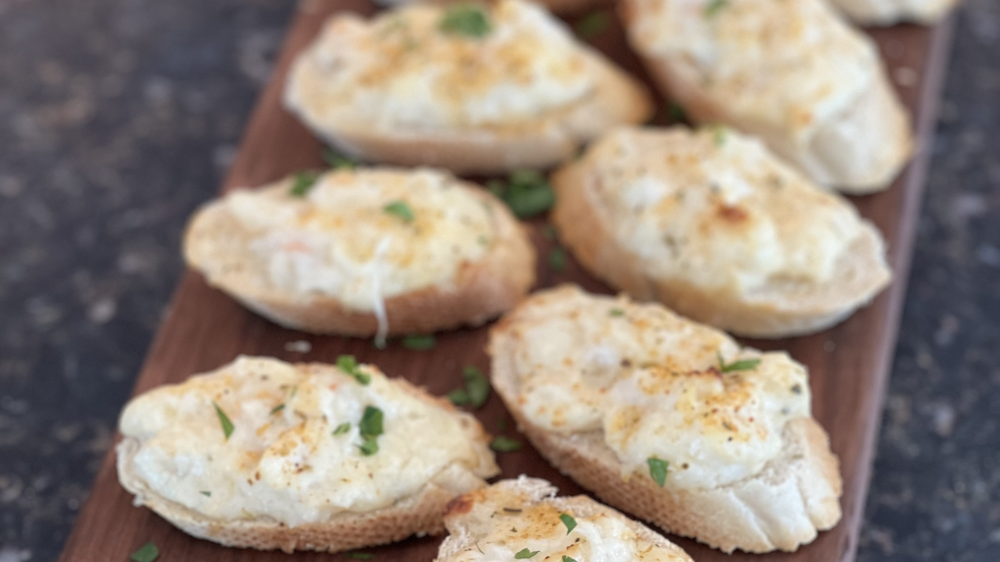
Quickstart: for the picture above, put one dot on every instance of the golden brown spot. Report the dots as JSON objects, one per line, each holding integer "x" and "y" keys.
{"x": 732, "y": 214}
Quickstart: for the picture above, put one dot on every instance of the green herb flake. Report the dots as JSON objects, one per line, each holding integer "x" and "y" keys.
{"x": 468, "y": 20}
{"x": 476, "y": 385}
{"x": 591, "y": 25}
{"x": 227, "y": 425}
{"x": 616, "y": 312}
{"x": 302, "y": 183}
{"x": 568, "y": 520}
{"x": 277, "y": 408}
{"x": 401, "y": 209}
{"x": 360, "y": 555}
{"x": 459, "y": 397}
{"x": 483, "y": 240}
{"x": 342, "y": 428}
{"x": 742, "y": 365}
{"x": 719, "y": 136}
{"x": 568, "y": 559}
{"x": 527, "y": 193}
{"x": 419, "y": 343}
{"x": 206, "y": 493}
{"x": 349, "y": 365}
{"x": 658, "y": 470}
{"x": 369, "y": 446}
{"x": 714, "y": 7}
{"x": 338, "y": 161}
{"x": 677, "y": 112}
{"x": 371, "y": 422}
{"x": 557, "y": 260}
{"x": 503, "y": 444}
{"x": 147, "y": 553}
{"x": 549, "y": 232}
{"x": 524, "y": 554}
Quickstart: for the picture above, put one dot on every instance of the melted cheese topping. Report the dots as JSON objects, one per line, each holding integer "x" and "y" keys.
{"x": 339, "y": 240}
{"x": 400, "y": 70}
{"x": 887, "y": 11}
{"x": 785, "y": 65}
{"x": 597, "y": 538}
{"x": 716, "y": 209}
{"x": 651, "y": 381}
{"x": 287, "y": 464}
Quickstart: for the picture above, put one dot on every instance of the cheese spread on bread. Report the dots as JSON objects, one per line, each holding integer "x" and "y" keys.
{"x": 505, "y": 519}
{"x": 716, "y": 209}
{"x": 886, "y": 12}
{"x": 404, "y": 69}
{"x": 339, "y": 239}
{"x": 785, "y": 66}
{"x": 657, "y": 385}
{"x": 293, "y": 451}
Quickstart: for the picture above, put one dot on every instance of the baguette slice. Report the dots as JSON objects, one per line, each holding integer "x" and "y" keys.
{"x": 511, "y": 89}
{"x": 561, "y": 7}
{"x": 565, "y": 394}
{"x": 484, "y": 522}
{"x": 335, "y": 260}
{"x": 712, "y": 225}
{"x": 792, "y": 73}
{"x": 889, "y": 12}
{"x": 193, "y": 490}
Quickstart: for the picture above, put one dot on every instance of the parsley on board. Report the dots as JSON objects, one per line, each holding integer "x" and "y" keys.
{"x": 338, "y": 161}
{"x": 360, "y": 555}
{"x": 503, "y": 444}
{"x": 592, "y": 25}
{"x": 147, "y": 553}
{"x": 557, "y": 260}
{"x": 526, "y": 192}
{"x": 419, "y": 343}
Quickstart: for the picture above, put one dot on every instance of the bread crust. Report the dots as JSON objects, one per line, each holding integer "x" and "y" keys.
{"x": 420, "y": 514}
{"x": 777, "y": 310}
{"x": 795, "y": 496}
{"x": 617, "y": 99}
{"x": 479, "y": 292}
{"x": 861, "y": 150}
{"x": 535, "y": 490}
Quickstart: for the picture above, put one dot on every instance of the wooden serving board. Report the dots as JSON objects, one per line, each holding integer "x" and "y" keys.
{"x": 848, "y": 365}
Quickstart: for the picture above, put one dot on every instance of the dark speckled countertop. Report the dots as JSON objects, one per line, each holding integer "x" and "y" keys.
{"x": 117, "y": 117}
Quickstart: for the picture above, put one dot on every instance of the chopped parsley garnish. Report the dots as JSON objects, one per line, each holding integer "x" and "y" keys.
{"x": 568, "y": 520}
{"x": 349, "y": 365}
{"x": 719, "y": 136}
{"x": 469, "y": 20}
{"x": 557, "y": 260}
{"x": 714, "y": 7}
{"x": 677, "y": 112}
{"x": 658, "y": 470}
{"x": 370, "y": 428}
{"x": 742, "y": 365}
{"x": 342, "y": 428}
{"x": 147, "y": 553}
{"x": 549, "y": 232}
{"x": 419, "y": 343}
{"x": 277, "y": 408}
{"x": 401, "y": 209}
{"x": 206, "y": 493}
{"x": 302, "y": 183}
{"x": 476, "y": 391}
{"x": 524, "y": 554}
{"x": 338, "y": 161}
{"x": 591, "y": 25}
{"x": 360, "y": 555}
{"x": 616, "y": 312}
{"x": 568, "y": 559}
{"x": 503, "y": 444}
{"x": 227, "y": 426}
{"x": 526, "y": 192}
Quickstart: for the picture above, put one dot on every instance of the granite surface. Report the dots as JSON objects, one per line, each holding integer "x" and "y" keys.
{"x": 117, "y": 117}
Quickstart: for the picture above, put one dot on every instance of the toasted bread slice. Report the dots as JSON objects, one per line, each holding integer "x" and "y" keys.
{"x": 525, "y": 514}
{"x": 889, "y": 12}
{"x": 475, "y": 88}
{"x": 562, "y": 7}
{"x": 290, "y": 472}
{"x": 668, "y": 420}
{"x": 794, "y": 74}
{"x": 718, "y": 229}
{"x": 365, "y": 252}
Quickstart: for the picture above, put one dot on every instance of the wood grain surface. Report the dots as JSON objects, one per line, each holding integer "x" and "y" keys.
{"x": 848, "y": 365}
